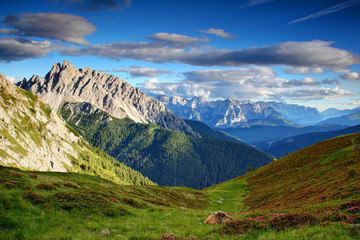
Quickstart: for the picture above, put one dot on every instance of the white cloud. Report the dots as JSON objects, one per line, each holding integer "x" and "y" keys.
{"x": 351, "y": 76}
{"x": 177, "y": 40}
{"x": 219, "y": 32}
{"x": 332, "y": 9}
{"x": 181, "y": 89}
{"x": 331, "y": 82}
{"x": 312, "y": 93}
{"x": 302, "y": 70}
{"x": 61, "y": 26}
{"x": 357, "y": 102}
{"x": 245, "y": 83}
{"x": 16, "y": 49}
{"x": 12, "y": 79}
{"x": 136, "y": 71}
{"x": 309, "y": 54}
{"x": 317, "y": 70}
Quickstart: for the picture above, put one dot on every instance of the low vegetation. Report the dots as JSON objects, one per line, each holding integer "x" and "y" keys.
{"x": 310, "y": 194}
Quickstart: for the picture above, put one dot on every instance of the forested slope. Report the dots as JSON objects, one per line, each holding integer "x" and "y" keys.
{"x": 166, "y": 157}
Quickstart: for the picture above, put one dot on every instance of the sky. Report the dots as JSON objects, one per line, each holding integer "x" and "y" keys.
{"x": 302, "y": 52}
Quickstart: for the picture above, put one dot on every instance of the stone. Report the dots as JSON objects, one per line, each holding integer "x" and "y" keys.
{"x": 218, "y": 217}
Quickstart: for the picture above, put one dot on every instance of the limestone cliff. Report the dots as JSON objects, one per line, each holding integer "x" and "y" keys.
{"x": 31, "y": 134}
{"x": 65, "y": 83}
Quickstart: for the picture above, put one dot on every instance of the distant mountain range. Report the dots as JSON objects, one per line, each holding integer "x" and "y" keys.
{"x": 288, "y": 145}
{"x": 333, "y": 112}
{"x": 232, "y": 113}
{"x": 225, "y": 113}
{"x": 235, "y": 113}
{"x": 347, "y": 120}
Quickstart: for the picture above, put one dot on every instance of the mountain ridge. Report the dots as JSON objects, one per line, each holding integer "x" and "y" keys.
{"x": 34, "y": 137}
{"x": 65, "y": 83}
{"x": 225, "y": 113}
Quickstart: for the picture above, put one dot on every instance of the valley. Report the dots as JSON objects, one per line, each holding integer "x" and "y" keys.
{"x": 157, "y": 176}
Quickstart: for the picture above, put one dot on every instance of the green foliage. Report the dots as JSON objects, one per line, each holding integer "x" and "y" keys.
{"x": 167, "y": 157}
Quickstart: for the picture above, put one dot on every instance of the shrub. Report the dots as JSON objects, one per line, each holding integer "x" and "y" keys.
{"x": 34, "y": 197}
{"x": 16, "y": 174}
{"x": 172, "y": 236}
{"x": 33, "y": 175}
{"x": 44, "y": 186}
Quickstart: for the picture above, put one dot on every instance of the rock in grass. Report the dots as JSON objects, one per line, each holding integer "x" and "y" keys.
{"x": 218, "y": 217}
{"x": 104, "y": 232}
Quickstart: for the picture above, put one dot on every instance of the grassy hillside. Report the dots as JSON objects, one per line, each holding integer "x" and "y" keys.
{"x": 310, "y": 194}
{"x": 166, "y": 157}
{"x": 288, "y": 145}
{"x": 316, "y": 186}
{"x": 33, "y": 136}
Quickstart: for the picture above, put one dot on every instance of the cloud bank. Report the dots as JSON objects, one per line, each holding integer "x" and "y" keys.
{"x": 16, "y": 49}
{"x": 219, "y": 32}
{"x": 311, "y": 54}
{"x": 136, "y": 71}
{"x": 60, "y": 26}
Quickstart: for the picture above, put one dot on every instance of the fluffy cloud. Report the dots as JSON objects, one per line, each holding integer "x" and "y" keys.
{"x": 219, "y": 32}
{"x": 136, "y": 71}
{"x": 328, "y": 81}
{"x": 302, "y": 70}
{"x": 312, "y": 93}
{"x": 61, "y": 26}
{"x": 351, "y": 76}
{"x": 13, "y": 79}
{"x": 182, "y": 89}
{"x": 308, "y": 81}
{"x": 246, "y": 83}
{"x": 177, "y": 40}
{"x": 311, "y": 54}
{"x": 16, "y": 49}
{"x": 257, "y": 77}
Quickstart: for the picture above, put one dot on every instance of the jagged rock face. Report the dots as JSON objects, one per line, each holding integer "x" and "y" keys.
{"x": 227, "y": 113}
{"x": 32, "y": 135}
{"x": 65, "y": 83}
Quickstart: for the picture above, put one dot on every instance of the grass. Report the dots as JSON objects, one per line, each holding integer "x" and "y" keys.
{"x": 282, "y": 200}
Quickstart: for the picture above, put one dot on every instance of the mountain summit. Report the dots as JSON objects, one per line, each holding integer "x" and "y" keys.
{"x": 65, "y": 83}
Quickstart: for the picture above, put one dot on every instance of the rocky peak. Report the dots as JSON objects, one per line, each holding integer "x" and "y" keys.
{"x": 65, "y": 83}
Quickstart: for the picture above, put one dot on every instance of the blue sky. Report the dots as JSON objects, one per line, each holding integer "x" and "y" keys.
{"x": 299, "y": 51}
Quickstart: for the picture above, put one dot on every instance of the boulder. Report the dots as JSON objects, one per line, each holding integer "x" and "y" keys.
{"x": 218, "y": 217}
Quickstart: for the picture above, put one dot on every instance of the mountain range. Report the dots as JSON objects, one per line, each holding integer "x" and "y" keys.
{"x": 225, "y": 113}
{"x": 232, "y": 113}
{"x": 140, "y": 131}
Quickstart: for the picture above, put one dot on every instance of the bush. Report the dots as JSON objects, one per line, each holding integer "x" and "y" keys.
{"x": 45, "y": 186}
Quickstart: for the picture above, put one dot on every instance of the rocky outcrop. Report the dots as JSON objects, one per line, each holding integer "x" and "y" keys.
{"x": 64, "y": 83}
{"x": 32, "y": 135}
{"x": 218, "y": 217}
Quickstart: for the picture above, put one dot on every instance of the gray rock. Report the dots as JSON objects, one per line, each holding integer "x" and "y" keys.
{"x": 64, "y": 83}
